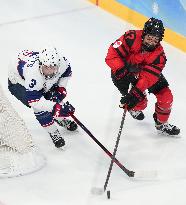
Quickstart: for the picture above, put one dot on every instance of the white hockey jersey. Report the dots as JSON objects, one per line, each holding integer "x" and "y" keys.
{"x": 26, "y": 72}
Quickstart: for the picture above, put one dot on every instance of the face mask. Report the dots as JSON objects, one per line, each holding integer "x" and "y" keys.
{"x": 150, "y": 42}
{"x": 46, "y": 71}
{"x": 148, "y": 47}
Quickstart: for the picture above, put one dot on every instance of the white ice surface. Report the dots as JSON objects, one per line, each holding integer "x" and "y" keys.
{"x": 84, "y": 33}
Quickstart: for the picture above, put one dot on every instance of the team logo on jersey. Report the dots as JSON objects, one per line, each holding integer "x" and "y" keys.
{"x": 117, "y": 44}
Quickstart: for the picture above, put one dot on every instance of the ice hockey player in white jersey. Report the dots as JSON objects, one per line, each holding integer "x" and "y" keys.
{"x": 39, "y": 81}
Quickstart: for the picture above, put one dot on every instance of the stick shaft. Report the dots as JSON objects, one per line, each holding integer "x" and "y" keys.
{"x": 128, "y": 172}
{"x": 115, "y": 149}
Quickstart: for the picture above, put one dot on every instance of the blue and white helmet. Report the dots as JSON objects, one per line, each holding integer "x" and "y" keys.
{"x": 49, "y": 56}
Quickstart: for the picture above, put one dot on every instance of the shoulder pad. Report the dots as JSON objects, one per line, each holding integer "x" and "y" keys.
{"x": 130, "y": 37}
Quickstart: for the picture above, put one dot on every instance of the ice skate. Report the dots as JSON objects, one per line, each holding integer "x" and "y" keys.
{"x": 68, "y": 124}
{"x": 166, "y": 128}
{"x": 57, "y": 139}
{"x": 138, "y": 114}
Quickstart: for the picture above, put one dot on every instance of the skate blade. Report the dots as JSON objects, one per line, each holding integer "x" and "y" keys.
{"x": 164, "y": 134}
{"x": 63, "y": 148}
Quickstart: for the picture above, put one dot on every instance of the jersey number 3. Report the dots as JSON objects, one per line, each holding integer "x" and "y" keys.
{"x": 33, "y": 83}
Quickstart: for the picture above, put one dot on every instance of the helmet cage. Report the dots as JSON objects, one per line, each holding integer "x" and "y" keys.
{"x": 49, "y": 57}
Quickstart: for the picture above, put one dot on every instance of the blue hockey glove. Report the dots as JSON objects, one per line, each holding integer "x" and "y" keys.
{"x": 56, "y": 94}
{"x": 64, "y": 110}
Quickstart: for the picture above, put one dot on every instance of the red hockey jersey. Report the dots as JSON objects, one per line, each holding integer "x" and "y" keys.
{"x": 128, "y": 48}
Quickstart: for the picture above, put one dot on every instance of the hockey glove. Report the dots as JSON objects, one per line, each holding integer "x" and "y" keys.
{"x": 64, "y": 110}
{"x": 133, "y": 68}
{"x": 56, "y": 94}
{"x": 60, "y": 94}
{"x": 128, "y": 68}
{"x": 132, "y": 98}
{"x": 120, "y": 73}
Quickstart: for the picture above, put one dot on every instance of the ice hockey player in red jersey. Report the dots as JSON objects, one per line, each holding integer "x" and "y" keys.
{"x": 38, "y": 80}
{"x": 138, "y": 58}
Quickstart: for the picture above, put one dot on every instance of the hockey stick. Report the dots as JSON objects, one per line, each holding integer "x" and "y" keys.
{"x": 128, "y": 172}
{"x": 115, "y": 149}
{"x": 138, "y": 174}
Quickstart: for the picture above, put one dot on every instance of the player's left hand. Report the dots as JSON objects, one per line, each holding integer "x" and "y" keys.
{"x": 64, "y": 110}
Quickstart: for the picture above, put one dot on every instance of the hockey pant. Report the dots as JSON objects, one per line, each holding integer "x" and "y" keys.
{"x": 44, "y": 118}
{"x": 18, "y": 91}
{"x": 160, "y": 90}
{"x": 162, "y": 106}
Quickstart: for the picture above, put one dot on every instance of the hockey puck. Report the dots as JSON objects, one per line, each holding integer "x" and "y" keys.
{"x": 108, "y": 194}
